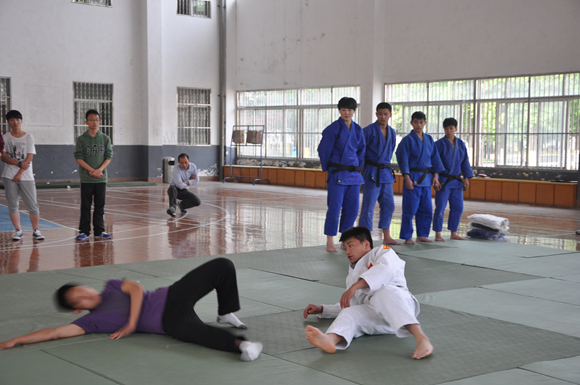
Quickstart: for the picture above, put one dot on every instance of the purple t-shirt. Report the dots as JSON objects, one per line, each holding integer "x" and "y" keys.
{"x": 113, "y": 311}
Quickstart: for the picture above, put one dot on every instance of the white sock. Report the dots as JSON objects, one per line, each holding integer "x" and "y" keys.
{"x": 250, "y": 350}
{"x": 231, "y": 319}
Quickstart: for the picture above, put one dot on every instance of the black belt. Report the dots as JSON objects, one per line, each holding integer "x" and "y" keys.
{"x": 424, "y": 171}
{"x": 380, "y": 166}
{"x": 450, "y": 178}
{"x": 343, "y": 167}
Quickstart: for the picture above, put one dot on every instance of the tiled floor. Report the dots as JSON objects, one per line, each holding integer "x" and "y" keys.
{"x": 233, "y": 218}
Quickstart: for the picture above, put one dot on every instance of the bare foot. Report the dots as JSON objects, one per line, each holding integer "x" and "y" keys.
{"x": 391, "y": 241}
{"x": 424, "y": 239}
{"x": 409, "y": 242}
{"x": 330, "y": 244}
{"x": 320, "y": 340}
{"x": 457, "y": 237}
{"x": 424, "y": 348}
{"x": 439, "y": 239}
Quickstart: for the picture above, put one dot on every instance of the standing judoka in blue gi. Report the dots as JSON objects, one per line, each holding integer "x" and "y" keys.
{"x": 381, "y": 140}
{"x": 342, "y": 153}
{"x": 453, "y": 154}
{"x": 420, "y": 165}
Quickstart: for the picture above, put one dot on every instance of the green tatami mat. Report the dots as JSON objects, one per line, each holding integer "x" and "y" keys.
{"x": 544, "y": 288}
{"x": 475, "y": 247}
{"x": 494, "y": 313}
{"x": 539, "y": 313}
{"x": 31, "y": 294}
{"x": 286, "y": 292}
{"x": 16, "y": 370}
{"x": 283, "y": 332}
{"x": 465, "y": 346}
{"x": 20, "y": 326}
{"x": 149, "y": 359}
{"x": 449, "y": 277}
{"x": 567, "y": 369}
{"x": 514, "y": 376}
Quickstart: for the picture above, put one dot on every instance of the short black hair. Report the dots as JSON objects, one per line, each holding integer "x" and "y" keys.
{"x": 13, "y": 114}
{"x": 359, "y": 232}
{"x": 60, "y": 297}
{"x": 384, "y": 106}
{"x": 184, "y": 155}
{"x": 92, "y": 112}
{"x": 419, "y": 115}
{"x": 450, "y": 122}
{"x": 347, "y": 102}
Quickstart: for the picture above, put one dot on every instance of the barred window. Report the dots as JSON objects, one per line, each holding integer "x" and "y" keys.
{"x": 93, "y": 96}
{"x": 293, "y": 119}
{"x": 193, "y": 116}
{"x": 103, "y": 3}
{"x": 199, "y": 8}
{"x": 523, "y": 121}
{"x": 4, "y": 104}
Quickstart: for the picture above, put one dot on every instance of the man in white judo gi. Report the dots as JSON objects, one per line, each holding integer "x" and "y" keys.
{"x": 377, "y": 300}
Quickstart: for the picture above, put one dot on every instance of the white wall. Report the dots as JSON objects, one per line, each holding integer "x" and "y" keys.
{"x": 190, "y": 59}
{"x": 142, "y": 47}
{"x": 146, "y": 50}
{"x": 454, "y": 39}
{"x": 49, "y": 44}
{"x": 316, "y": 43}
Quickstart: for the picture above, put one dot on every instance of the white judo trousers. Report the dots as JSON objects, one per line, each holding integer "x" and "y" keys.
{"x": 385, "y": 307}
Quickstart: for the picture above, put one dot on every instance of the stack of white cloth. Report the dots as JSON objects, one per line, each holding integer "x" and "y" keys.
{"x": 486, "y": 226}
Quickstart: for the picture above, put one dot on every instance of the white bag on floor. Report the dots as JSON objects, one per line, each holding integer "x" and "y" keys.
{"x": 498, "y": 223}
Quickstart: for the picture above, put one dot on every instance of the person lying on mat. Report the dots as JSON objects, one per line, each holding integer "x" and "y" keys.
{"x": 124, "y": 307}
{"x": 377, "y": 300}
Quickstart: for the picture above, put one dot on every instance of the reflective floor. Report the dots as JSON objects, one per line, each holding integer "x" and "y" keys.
{"x": 233, "y": 218}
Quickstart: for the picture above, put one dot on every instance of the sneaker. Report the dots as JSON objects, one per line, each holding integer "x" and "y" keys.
{"x": 183, "y": 211}
{"x": 37, "y": 236}
{"x": 104, "y": 235}
{"x": 81, "y": 237}
{"x": 171, "y": 211}
{"x": 17, "y": 235}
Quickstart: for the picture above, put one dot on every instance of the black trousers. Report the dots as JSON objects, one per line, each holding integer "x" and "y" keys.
{"x": 88, "y": 192}
{"x": 179, "y": 318}
{"x": 187, "y": 198}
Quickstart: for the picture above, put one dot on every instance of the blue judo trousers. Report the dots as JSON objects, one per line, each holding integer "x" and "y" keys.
{"x": 456, "y": 162}
{"x": 341, "y": 153}
{"x": 378, "y": 180}
{"x": 414, "y": 154}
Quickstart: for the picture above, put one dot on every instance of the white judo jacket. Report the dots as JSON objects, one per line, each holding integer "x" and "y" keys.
{"x": 379, "y": 267}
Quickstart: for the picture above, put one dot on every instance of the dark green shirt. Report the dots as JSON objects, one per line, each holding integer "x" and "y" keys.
{"x": 94, "y": 151}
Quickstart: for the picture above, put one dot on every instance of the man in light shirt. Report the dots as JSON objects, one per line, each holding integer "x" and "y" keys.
{"x": 184, "y": 175}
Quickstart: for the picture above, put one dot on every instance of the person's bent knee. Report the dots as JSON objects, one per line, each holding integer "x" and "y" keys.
{"x": 224, "y": 263}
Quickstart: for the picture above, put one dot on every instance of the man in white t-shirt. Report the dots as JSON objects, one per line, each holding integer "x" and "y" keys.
{"x": 17, "y": 176}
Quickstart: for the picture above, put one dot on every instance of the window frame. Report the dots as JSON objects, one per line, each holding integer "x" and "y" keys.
{"x": 303, "y": 147}
{"x": 195, "y": 131}
{"x": 5, "y": 100}
{"x": 487, "y": 145}
{"x": 82, "y": 104}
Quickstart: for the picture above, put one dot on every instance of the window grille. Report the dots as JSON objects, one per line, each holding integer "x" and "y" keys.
{"x": 524, "y": 121}
{"x": 93, "y": 96}
{"x": 193, "y": 116}
{"x": 103, "y": 3}
{"x": 293, "y": 119}
{"x": 4, "y": 104}
{"x": 198, "y": 8}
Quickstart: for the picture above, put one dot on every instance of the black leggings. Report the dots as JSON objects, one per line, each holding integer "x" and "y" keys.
{"x": 180, "y": 320}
